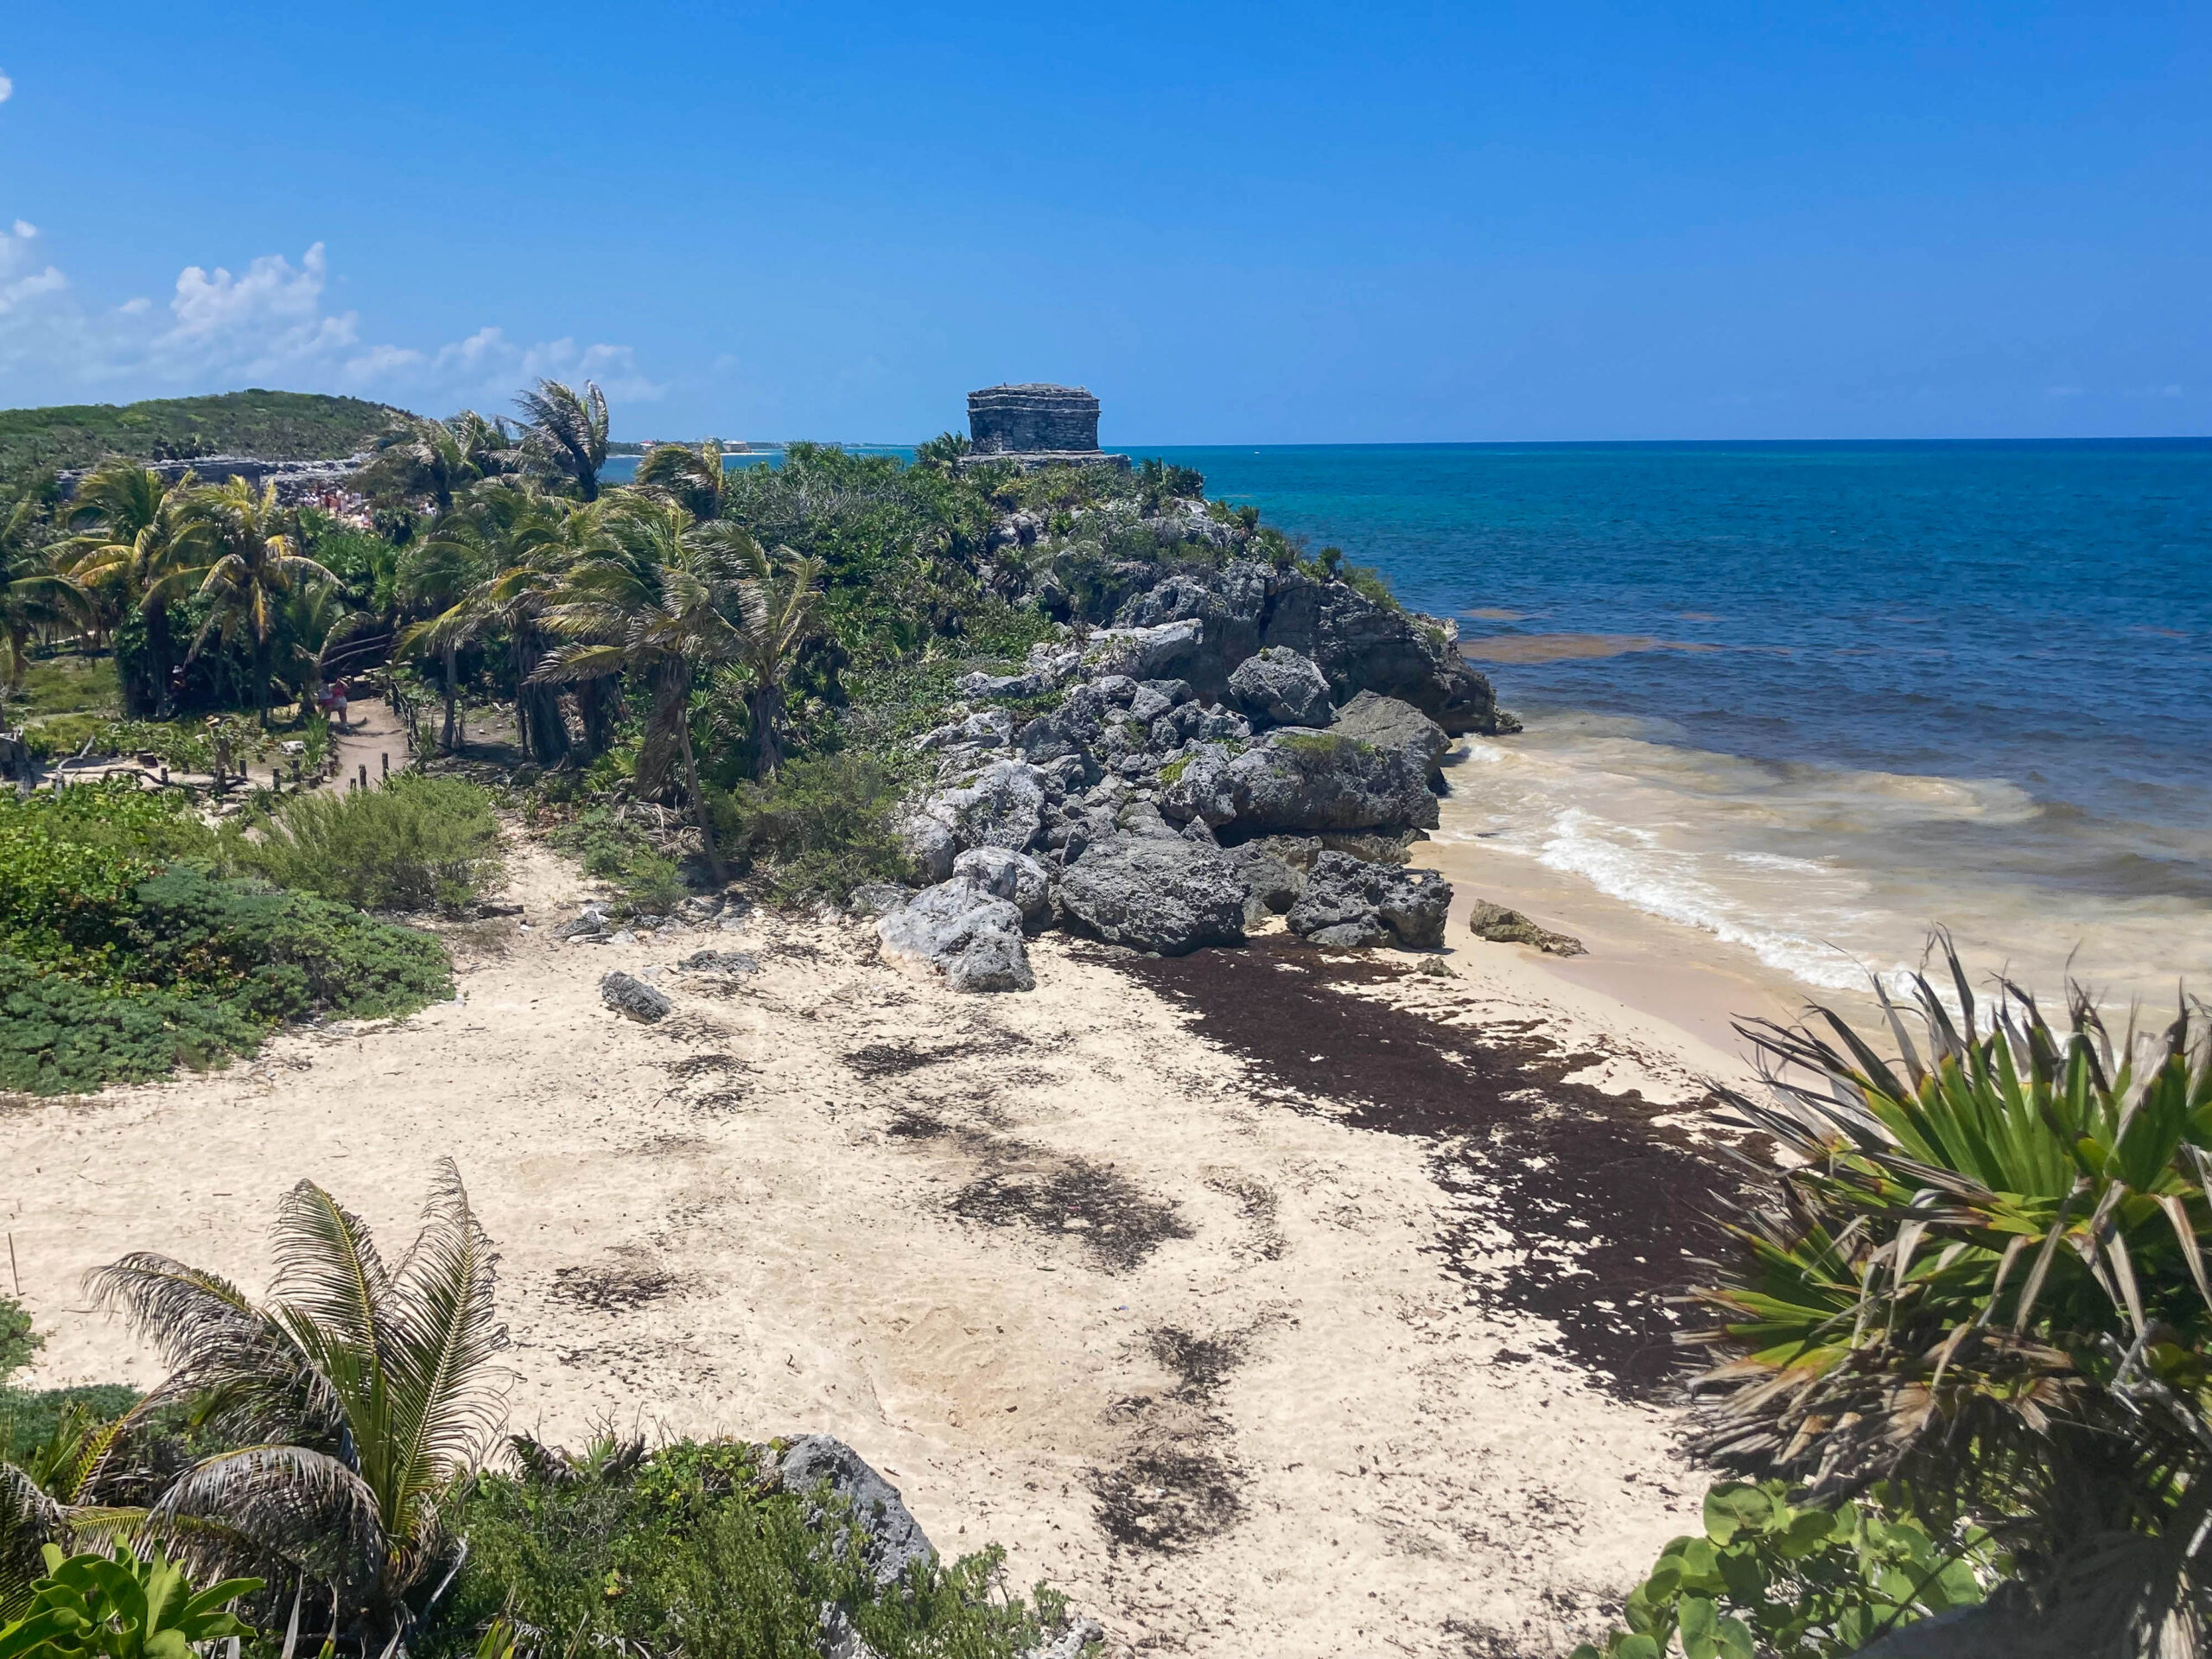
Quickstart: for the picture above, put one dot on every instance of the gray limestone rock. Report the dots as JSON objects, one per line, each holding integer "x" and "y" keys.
{"x": 1014, "y": 877}
{"x": 929, "y": 843}
{"x": 1279, "y": 687}
{"x": 1397, "y": 727}
{"x": 1196, "y": 786}
{"x": 1348, "y": 901}
{"x": 878, "y": 898}
{"x": 591, "y": 922}
{"x": 1272, "y": 884}
{"x": 1502, "y": 927}
{"x": 992, "y": 687}
{"x": 891, "y": 1539}
{"x": 1297, "y": 778}
{"x": 1169, "y": 895}
{"x": 634, "y": 997}
{"x": 958, "y": 929}
{"x": 1002, "y": 806}
{"x": 720, "y": 961}
{"x": 991, "y": 730}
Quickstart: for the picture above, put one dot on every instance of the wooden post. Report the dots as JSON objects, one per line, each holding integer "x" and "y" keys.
{"x": 386, "y": 757}
{"x": 364, "y": 783}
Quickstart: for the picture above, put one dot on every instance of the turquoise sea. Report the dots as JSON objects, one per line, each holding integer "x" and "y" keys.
{"x": 1812, "y": 698}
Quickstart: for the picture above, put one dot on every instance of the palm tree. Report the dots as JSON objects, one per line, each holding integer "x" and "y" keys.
{"x": 437, "y": 571}
{"x": 438, "y": 458}
{"x": 523, "y": 544}
{"x": 693, "y": 478}
{"x": 145, "y": 547}
{"x": 1985, "y": 1285}
{"x": 357, "y": 1397}
{"x": 256, "y": 564}
{"x": 780, "y": 596}
{"x": 35, "y": 596}
{"x": 566, "y": 432}
{"x": 666, "y": 601}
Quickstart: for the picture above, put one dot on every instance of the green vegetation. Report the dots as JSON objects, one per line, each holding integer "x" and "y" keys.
{"x": 126, "y": 950}
{"x": 273, "y": 425}
{"x": 1771, "y": 1577}
{"x": 334, "y": 1439}
{"x": 95, "y": 1606}
{"x": 415, "y": 843}
{"x": 1986, "y": 1294}
{"x": 696, "y": 1547}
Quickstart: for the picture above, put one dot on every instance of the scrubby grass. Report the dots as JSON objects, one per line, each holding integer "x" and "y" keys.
{"x": 69, "y": 683}
{"x": 123, "y": 952}
{"x": 613, "y": 849}
{"x": 692, "y": 1549}
{"x": 822, "y": 828}
{"x": 415, "y": 843}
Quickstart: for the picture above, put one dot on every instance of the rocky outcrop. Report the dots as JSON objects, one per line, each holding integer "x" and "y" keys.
{"x": 1278, "y": 687}
{"x": 958, "y": 930}
{"x": 1502, "y": 927}
{"x": 1348, "y": 902}
{"x": 1296, "y": 778}
{"x": 1014, "y": 877}
{"x": 633, "y": 998}
{"x": 1152, "y": 893}
{"x": 825, "y": 1471}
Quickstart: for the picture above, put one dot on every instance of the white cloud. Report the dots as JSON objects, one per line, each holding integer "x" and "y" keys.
{"x": 7, "y": 89}
{"x": 266, "y": 324}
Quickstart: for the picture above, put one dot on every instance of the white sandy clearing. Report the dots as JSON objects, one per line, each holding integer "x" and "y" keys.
{"x": 724, "y": 1223}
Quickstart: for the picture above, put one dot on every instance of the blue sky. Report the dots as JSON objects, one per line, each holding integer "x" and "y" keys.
{"x": 1264, "y": 224}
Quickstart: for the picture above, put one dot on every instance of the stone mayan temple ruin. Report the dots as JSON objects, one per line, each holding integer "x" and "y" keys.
{"x": 1038, "y": 426}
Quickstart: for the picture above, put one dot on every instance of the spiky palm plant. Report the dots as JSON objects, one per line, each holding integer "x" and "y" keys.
{"x": 256, "y": 562}
{"x": 1986, "y": 1283}
{"x": 565, "y": 432}
{"x": 141, "y": 543}
{"x": 357, "y": 1396}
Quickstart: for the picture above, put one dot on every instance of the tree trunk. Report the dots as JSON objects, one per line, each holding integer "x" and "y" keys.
{"x": 451, "y": 739}
{"x": 657, "y": 753}
{"x": 699, "y": 808}
{"x": 160, "y": 649}
{"x": 767, "y": 702}
{"x": 595, "y": 708}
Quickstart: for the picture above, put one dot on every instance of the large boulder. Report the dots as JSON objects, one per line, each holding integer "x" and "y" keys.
{"x": 1196, "y": 785}
{"x": 929, "y": 842}
{"x": 958, "y": 929}
{"x": 1389, "y": 723}
{"x": 1278, "y": 687}
{"x": 1272, "y": 879}
{"x": 1150, "y": 894}
{"x": 1003, "y": 805}
{"x": 1015, "y": 877}
{"x": 1297, "y": 778}
{"x": 1501, "y": 925}
{"x": 991, "y": 730}
{"x": 1363, "y": 645}
{"x": 816, "y": 1468}
{"x": 1347, "y": 901}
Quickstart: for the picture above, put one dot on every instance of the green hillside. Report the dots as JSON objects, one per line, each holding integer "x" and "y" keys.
{"x": 277, "y": 425}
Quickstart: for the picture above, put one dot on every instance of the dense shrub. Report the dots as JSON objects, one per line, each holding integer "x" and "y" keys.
{"x": 617, "y": 851}
{"x": 688, "y": 1549}
{"x": 824, "y": 826}
{"x": 123, "y": 954}
{"x": 415, "y": 843}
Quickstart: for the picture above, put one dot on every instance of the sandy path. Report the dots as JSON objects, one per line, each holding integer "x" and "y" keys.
{"x": 373, "y": 740}
{"x": 1080, "y": 1280}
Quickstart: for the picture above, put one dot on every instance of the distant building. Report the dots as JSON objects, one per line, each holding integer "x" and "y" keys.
{"x": 1038, "y": 426}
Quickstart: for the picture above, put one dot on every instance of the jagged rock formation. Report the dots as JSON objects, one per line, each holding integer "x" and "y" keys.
{"x": 1502, "y": 927}
{"x": 1142, "y": 809}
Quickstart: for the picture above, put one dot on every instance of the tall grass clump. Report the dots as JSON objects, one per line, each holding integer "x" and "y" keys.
{"x": 1982, "y": 1292}
{"x": 822, "y": 826}
{"x": 416, "y": 843}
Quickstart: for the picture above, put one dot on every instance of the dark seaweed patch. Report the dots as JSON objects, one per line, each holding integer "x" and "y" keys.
{"x": 611, "y": 1289}
{"x": 1611, "y": 1209}
{"x": 1115, "y": 1220}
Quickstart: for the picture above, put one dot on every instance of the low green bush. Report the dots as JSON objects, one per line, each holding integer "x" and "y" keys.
{"x": 1794, "y": 1581}
{"x": 824, "y": 826}
{"x": 414, "y": 843}
{"x": 615, "y": 850}
{"x": 693, "y": 1549}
